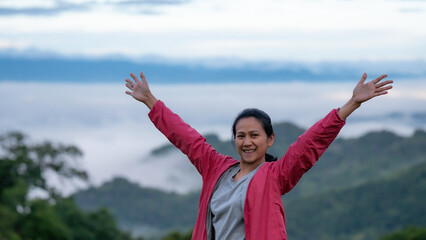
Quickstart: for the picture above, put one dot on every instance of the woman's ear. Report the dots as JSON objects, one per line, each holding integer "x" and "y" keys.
{"x": 271, "y": 140}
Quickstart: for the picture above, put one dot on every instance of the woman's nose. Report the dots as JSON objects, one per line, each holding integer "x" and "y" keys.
{"x": 247, "y": 141}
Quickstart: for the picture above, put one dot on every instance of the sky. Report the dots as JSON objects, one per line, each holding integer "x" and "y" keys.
{"x": 251, "y": 30}
{"x": 113, "y": 130}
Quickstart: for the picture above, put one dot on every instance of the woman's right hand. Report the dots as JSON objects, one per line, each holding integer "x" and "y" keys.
{"x": 140, "y": 90}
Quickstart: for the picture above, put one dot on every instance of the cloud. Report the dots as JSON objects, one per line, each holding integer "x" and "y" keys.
{"x": 7, "y": 46}
{"x": 151, "y": 2}
{"x": 411, "y": 10}
{"x": 57, "y": 8}
{"x": 116, "y": 136}
{"x": 197, "y": 29}
{"x": 61, "y": 6}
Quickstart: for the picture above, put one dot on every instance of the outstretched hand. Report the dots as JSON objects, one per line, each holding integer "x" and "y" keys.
{"x": 366, "y": 91}
{"x": 139, "y": 90}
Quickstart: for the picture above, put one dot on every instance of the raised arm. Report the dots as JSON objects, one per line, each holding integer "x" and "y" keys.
{"x": 203, "y": 156}
{"x": 309, "y": 147}
{"x": 364, "y": 92}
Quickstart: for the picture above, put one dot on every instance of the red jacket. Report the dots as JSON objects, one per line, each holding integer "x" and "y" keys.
{"x": 263, "y": 209}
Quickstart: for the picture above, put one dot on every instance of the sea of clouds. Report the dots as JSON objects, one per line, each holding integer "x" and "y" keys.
{"x": 116, "y": 135}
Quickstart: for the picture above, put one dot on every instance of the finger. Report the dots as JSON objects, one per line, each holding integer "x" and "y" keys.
{"x": 130, "y": 82}
{"x": 364, "y": 76}
{"x": 134, "y": 77}
{"x": 379, "y": 78}
{"x": 384, "y": 83}
{"x": 143, "y": 78}
{"x": 383, "y": 89}
{"x": 130, "y": 87}
{"x": 128, "y": 93}
{"x": 380, "y": 93}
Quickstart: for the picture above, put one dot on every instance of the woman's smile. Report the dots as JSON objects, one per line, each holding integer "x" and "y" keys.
{"x": 249, "y": 150}
{"x": 251, "y": 141}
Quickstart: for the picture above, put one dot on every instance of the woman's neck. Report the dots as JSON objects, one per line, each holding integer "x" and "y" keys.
{"x": 246, "y": 168}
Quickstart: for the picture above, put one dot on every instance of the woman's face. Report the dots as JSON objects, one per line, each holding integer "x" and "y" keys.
{"x": 251, "y": 140}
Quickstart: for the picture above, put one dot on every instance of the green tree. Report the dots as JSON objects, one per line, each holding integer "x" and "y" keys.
{"x": 42, "y": 222}
{"x": 408, "y": 233}
{"x": 26, "y": 164}
{"x": 178, "y": 236}
{"x": 23, "y": 167}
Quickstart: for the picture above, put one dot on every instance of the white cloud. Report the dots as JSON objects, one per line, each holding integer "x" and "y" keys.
{"x": 19, "y": 45}
{"x": 277, "y": 30}
{"x": 28, "y": 3}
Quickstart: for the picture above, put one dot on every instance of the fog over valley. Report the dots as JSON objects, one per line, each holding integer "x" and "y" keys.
{"x": 116, "y": 135}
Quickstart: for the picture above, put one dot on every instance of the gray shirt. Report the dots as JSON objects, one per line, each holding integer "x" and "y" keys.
{"x": 227, "y": 205}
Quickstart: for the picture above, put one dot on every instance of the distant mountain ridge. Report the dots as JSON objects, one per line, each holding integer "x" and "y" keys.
{"x": 347, "y": 162}
{"x": 81, "y": 70}
{"x": 364, "y": 212}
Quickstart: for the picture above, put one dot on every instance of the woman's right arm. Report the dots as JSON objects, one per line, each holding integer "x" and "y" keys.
{"x": 202, "y": 155}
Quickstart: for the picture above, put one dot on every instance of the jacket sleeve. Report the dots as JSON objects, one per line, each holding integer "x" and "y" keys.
{"x": 307, "y": 149}
{"x": 201, "y": 154}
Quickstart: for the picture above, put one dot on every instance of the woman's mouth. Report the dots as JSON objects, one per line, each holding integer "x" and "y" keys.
{"x": 249, "y": 150}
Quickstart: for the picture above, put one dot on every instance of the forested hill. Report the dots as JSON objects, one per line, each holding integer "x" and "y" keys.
{"x": 361, "y": 188}
{"x": 138, "y": 206}
{"x": 346, "y": 163}
{"x": 364, "y": 212}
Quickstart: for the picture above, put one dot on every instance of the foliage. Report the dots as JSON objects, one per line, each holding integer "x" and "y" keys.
{"x": 178, "y": 236}
{"x": 346, "y": 163}
{"x": 42, "y": 222}
{"x": 363, "y": 212}
{"x": 26, "y": 164}
{"x": 23, "y": 166}
{"x": 408, "y": 233}
{"x": 355, "y": 191}
{"x": 146, "y": 206}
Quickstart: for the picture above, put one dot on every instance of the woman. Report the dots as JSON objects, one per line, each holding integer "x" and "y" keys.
{"x": 242, "y": 199}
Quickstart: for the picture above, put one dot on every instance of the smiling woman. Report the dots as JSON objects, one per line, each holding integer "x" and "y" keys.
{"x": 242, "y": 199}
{"x": 253, "y": 135}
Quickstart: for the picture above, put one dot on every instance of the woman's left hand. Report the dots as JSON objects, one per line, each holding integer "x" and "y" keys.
{"x": 366, "y": 91}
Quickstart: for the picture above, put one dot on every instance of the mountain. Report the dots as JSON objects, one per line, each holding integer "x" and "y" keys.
{"x": 346, "y": 163}
{"x": 364, "y": 212}
{"x": 145, "y": 211}
{"x": 52, "y": 68}
{"x": 111, "y": 70}
{"x": 360, "y": 188}
{"x": 285, "y": 134}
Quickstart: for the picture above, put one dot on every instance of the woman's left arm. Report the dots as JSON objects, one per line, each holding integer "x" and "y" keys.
{"x": 364, "y": 92}
{"x": 309, "y": 147}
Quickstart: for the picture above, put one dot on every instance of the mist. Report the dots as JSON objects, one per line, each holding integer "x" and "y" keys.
{"x": 116, "y": 136}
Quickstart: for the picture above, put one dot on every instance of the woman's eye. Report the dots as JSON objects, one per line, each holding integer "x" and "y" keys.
{"x": 255, "y": 135}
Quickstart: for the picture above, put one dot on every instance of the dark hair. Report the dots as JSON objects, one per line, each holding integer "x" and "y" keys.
{"x": 263, "y": 119}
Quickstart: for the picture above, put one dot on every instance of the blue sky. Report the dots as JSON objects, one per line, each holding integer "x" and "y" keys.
{"x": 272, "y": 30}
